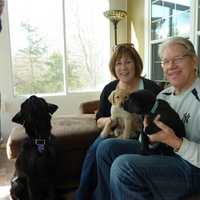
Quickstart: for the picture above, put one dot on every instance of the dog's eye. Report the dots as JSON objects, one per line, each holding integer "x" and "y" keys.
{"x": 117, "y": 97}
{"x": 126, "y": 97}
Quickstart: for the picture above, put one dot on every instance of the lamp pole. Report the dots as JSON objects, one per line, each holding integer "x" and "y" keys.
{"x": 115, "y": 16}
{"x": 115, "y": 30}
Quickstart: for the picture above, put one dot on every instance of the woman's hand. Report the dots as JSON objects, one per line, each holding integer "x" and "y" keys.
{"x": 166, "y": 135}
{"x": 145, "y": 122}
{"x": 105, "y": 121}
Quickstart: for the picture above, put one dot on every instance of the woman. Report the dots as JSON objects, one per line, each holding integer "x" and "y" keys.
{"x": 126, "y": 66}
{"x": 156, "y": 177}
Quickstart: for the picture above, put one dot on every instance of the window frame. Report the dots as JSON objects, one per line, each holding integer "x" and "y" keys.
{"x": 193, "y": 35}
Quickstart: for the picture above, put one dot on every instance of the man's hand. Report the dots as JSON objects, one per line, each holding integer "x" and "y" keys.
{"x": 166, "y": 135}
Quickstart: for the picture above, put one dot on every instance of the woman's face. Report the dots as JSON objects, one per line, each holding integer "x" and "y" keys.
{"x": 179, "y": 67}
{"x": 125, "y": 69}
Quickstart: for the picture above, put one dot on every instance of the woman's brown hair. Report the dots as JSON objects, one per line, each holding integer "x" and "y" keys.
{"x": 126, "y": 49}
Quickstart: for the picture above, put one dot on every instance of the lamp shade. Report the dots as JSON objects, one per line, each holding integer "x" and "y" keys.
{"x": 115, "y": 15}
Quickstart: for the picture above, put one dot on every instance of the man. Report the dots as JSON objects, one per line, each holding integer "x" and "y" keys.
{"x": 1, "y": 11}
{"x": 123, "y": 173}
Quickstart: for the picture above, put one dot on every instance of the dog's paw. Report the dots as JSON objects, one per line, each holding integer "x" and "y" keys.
{"x": 123, "y": 137}
{"x": 19, "y": 188}
{"x": 104, "y": 134}
{"x": 117, "y": 132}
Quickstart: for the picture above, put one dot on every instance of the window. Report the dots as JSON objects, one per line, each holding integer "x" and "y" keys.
{"x": 58, "y": 46}
{"x": 168, "y": 18}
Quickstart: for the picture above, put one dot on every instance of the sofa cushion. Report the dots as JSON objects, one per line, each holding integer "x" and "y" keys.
{"x": 73, "y": 131}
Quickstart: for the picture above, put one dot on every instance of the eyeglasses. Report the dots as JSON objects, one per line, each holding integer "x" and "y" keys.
{"x": 177, "y": 60}
{"x": 126, "y": 45}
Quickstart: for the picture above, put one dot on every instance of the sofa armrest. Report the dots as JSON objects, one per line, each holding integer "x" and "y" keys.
{"x": 89, "y": 107}
{"x": 74, "y": 131}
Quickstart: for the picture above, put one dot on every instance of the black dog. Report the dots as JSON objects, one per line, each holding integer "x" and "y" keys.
{"x": 34, "y": 177}
{"x": 144, "y": 102}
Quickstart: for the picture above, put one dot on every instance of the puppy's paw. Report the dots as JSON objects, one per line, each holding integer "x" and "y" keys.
{"x": 106, "y": 131}
{"x": 122, "y": 137}
{"x": 117, "y": 132}
{"x": 125, "y": 135}
{"x": 104, "y": 134}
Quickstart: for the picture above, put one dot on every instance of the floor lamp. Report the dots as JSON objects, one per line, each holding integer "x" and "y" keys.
{"x": 115, "y": 16}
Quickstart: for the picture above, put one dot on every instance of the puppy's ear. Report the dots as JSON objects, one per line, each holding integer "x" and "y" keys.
{"x": 52, "y": 108}
{"x": 18, "y": 118}
{"x": 111, "y": 97}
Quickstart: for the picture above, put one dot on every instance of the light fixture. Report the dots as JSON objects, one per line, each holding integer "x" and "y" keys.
{"x": 115, "y": 16}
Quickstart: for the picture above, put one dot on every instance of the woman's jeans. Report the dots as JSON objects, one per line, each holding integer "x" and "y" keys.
{"x": 124, "y": 174}
{"x": 88, "y": 179}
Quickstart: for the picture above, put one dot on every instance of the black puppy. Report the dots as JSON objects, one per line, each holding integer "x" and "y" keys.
{"x": 144, "y": 102}
{"x": 36, "y": 163}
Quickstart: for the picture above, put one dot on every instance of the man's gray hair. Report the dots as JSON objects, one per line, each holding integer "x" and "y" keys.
{"x": 187, "y": 44}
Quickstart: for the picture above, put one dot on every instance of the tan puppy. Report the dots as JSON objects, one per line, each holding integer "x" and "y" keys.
{"x": 125, "y": 124}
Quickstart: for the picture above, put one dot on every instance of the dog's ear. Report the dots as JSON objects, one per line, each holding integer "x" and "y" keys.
{"x": 111, "y": 97}
{"x": 52, "y": 108}
{"x": 18, "y": 118}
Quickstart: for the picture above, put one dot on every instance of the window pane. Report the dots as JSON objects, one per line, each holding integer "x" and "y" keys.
{"x": 182, "y": 20}
{"x": 37, "y": 46}
{"x": 157, "y": 20}
{"x": 47, "y": 61}
{"x": 87, "y": 44}
{"x": 170, "y": 17}
{"x": 156, "y": 70}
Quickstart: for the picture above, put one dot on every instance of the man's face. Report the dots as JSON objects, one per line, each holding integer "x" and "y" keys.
{"x": 178, "y": 66}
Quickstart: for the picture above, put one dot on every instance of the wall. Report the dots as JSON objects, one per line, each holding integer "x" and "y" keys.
{"x": 122, "y": 25}
{"x": 135, "y": 24}
{"x": 67, "y": 104}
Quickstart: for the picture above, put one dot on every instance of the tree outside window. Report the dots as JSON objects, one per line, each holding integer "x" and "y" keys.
{"x": 58, "y": 46}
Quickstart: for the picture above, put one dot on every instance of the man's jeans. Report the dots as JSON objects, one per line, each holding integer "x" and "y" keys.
{"x": 124, "y": 174}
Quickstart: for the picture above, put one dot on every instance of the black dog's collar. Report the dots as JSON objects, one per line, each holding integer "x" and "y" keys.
{"x": 40, "y": 144}
{"x": 40, "y": 141}
{"x": 155, "y": 106}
